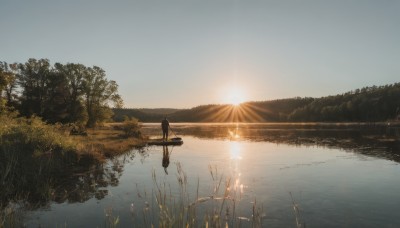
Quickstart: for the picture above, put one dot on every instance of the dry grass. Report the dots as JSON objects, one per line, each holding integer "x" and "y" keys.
{"x": 106, "y": 141}
{"x": 186, "y": 208}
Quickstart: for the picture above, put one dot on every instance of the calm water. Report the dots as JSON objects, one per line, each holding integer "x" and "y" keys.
{"x": 345, "y": 176}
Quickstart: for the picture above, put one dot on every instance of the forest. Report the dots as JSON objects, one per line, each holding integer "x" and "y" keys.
{"x": 59, "y": 93}
{"x": 368, "y": 104}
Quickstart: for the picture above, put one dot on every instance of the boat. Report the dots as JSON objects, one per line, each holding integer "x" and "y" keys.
{"x": 171, "y": 142}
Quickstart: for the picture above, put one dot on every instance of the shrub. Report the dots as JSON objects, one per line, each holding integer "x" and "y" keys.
{"x": 131, "y": 128}
{"x": 34, "y": 159}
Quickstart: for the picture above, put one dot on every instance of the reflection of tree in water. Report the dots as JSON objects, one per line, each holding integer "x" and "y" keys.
{"x": 38, "y": 181}
{"x": 82, "y": 186}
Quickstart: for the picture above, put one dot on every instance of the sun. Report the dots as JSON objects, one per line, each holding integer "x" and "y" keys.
{"x": 234, "y": 96}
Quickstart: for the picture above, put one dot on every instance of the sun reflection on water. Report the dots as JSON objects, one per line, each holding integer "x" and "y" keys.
{"x": 235, "y": 151}
{"x": 234, "y": 134}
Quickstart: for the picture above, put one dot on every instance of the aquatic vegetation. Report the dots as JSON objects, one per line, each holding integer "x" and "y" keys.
{"x": 185, "y": 208}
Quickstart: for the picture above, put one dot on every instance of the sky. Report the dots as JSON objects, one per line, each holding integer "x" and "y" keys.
{"x": 185, "y": 53}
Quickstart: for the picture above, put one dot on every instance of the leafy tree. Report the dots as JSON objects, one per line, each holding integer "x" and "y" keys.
{"x": 98, "y": 93}
{"x": 55, "y": 109}
{"x": 33, "y": 80}
{"x": 7, "y": 84}
{"x": 72, "y": 80}
{"x": 59, "y": 93}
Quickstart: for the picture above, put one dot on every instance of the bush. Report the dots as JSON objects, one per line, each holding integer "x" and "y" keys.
{"x": 33, "y": 135}
{"x": 131, "y": 128}
{"x": 35, "y": 160}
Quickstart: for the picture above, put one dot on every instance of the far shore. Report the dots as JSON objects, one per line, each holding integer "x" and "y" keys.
{"x": 385, "y": 123}
{"x": 108, "y": 141}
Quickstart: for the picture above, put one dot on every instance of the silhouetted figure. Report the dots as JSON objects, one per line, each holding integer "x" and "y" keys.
{"x": 165, "y": 159}
{"x": 164, "y": 127}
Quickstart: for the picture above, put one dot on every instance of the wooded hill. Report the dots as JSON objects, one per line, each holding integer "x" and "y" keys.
{"x": 376, "y": 103}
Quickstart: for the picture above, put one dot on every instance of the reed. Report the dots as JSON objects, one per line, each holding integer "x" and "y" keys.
{"x": 11, "y": 215}
{"x": 299, "y": 222}
{"x": 183, "y": 206}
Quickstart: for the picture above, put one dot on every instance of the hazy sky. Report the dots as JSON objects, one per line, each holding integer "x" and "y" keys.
{"x": 185, "y": 53}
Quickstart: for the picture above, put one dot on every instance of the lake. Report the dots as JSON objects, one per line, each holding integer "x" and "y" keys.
{"x": 243, "y": 175}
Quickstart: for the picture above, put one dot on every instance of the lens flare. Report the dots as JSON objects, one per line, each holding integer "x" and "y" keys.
{"x": 234, "y": 96}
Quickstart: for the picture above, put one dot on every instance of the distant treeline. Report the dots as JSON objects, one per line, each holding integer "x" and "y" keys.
{"x": 62, "y": 93}
{"x": 367, "y": 104}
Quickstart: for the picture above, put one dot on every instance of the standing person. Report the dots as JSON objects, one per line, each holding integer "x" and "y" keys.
{"x": 164, "y": 127}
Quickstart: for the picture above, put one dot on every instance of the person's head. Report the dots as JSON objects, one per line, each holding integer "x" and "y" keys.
{"x": 165, "y": 117}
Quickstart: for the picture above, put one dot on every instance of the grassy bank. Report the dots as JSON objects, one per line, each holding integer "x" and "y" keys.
{"x": 40, "y": 163}
{"x": 109, "y": 140}
{"x": 39, "y": 138}
{"x": 34, "y": 157}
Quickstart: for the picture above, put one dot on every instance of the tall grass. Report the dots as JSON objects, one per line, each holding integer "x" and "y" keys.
{"x": 33, "y": 156}
{"x": 297, "y": 214}
{"x": 33, "y": 134}
{"x": 178, "y": 206}
{"x": 28, "y": 147}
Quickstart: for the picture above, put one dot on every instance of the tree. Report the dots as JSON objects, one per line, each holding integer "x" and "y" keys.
{"x": 73, "y": 75}
{"x": 98, "y": 93}
{"x": 7, "y": 84}
{"x": 33, "y": 80}
{"x": 56, "y": 98}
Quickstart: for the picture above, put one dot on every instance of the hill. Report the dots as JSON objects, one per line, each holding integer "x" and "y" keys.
{"x": 160, "y": 111}
{"x": 142, "y": 114}
{"x": 367, "y": 104}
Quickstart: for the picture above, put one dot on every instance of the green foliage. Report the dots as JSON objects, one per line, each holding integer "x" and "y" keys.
{"x": 39, "y": 164}
{"x": 69, "y": 81}
{"x": 30, "y": 151}
{"x": 7, "y": 84}
{"x": 97, "y": 93}
{"x": 32, "y": 135}
{"x": 33, "y": 79}
{"x": 60, "y": 93}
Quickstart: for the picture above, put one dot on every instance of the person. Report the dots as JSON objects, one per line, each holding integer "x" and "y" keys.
{"x": 165, "y": 127}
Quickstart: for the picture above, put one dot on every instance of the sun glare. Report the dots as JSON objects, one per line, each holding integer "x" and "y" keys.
{"x": 234, "y": 97}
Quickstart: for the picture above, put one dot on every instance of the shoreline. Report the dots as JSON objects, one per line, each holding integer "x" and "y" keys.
{"x": 105, "y": 142}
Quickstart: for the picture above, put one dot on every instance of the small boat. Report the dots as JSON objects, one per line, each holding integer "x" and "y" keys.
{"x": 159, "y": 142}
